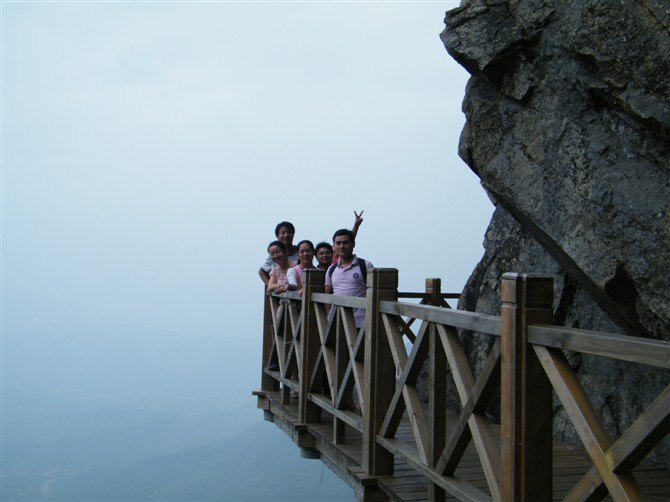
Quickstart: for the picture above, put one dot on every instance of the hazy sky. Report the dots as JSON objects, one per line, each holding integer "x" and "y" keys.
{"x": 149, "y": 149}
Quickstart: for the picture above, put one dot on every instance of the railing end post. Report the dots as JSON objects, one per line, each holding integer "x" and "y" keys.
{"x": 526, "y": 393}
{"x": 313, "y": 282}
{"x": 433, "y": 291}
{"x": 382, "y": 285}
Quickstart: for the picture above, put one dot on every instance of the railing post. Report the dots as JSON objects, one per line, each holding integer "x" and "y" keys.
{"x": 382, "y": 285}
{"x": 526, "y": 393}
{"x": 341, "y": 360}
{"x": 287, "y": 338}
{"x": 313, "y": 282}
{"x": 267, "y": 382}
{"x": 437, "y": 391}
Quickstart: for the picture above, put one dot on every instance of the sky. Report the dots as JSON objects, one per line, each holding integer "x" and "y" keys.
{"x": 148, "y": 150}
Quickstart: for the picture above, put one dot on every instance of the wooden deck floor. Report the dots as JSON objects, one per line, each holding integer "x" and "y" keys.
{"x": 570, "y": 461}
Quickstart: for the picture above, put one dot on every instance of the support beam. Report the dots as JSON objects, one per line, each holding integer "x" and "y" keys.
{"x": 379, "y": 370}
{"x": 526, "y": 394}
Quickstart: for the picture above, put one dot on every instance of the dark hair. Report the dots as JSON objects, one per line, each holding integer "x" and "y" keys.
{"x": 323, "y": 245}
{"x": 347, "y": 232}
{"x": 279, "y": 244}
{"x": 286, "y": 224}
{"x": 305, "y": 241}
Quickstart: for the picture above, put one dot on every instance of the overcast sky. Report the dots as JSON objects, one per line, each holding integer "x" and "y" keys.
{"x": 149, "y": 149}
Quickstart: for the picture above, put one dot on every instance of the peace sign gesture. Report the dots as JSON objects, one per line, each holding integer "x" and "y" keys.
{"x": 358, "y": 219}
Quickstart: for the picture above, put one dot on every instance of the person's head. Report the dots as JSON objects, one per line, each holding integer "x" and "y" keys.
{"x": 284, "y": 231}
{"x": 277, "y": 251}
{"x": 306, "y": 253}
{"x": 344, "y": 242}
{"x": 324, "y": 254}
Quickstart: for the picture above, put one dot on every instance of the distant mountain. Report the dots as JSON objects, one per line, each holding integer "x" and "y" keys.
{"x": 260, "y": 463}
{"x": 226, "y": 456}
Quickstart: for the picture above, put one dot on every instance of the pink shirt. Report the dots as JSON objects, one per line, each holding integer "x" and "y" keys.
{"x": 349, "y": 282}
{"x": 280, "y": 275}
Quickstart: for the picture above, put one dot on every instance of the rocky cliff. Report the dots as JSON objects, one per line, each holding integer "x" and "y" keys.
{"x": 568, "y": 128}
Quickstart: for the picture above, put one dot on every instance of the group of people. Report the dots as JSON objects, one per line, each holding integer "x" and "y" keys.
{"x": 345, "y": 272}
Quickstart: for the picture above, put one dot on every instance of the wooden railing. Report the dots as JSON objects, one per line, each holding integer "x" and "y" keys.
{"x": 366, "y": 379}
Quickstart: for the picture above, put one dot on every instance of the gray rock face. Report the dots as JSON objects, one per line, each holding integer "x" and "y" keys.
{"x": 568, "y": 128}
{"x": 619, "y": 391}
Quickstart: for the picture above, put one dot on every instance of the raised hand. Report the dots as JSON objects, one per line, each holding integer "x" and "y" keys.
{"x": 358, "y": 219}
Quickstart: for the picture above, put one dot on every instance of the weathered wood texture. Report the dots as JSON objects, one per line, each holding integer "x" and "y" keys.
{"x": 570, "y": 462}
{"x": 350, "y": 393}
{"x": 379, "y": 371}
{"x": 525, "y": 391}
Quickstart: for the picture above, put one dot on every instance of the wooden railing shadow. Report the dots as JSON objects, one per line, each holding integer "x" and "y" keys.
{"x": 366, "y": 378}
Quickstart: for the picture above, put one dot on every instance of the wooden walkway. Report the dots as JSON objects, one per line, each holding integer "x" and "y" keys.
{"x": 570, "y": 461}
{"x": 344, "y": 392}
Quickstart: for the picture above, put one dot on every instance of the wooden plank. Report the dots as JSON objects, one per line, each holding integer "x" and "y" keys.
{"x": 354, "y": 343}
{"x": 338, "y": 300}
{"x": 382, "y": 285}
{"x": 327, "y": 355}
{"x": 290, "y": 383}
{"x": 643, "y": 435}
{"x": 279, "y": 319}
{"x": 267, "y": 382}
{"x": 295, "y": 318}
{"x": 457, "y": 318}
{"x": 586, "y": 422}
{"x": 487, "y": 382}
{"x": 288, "y": 295}
{"x": 346, "y": 386}
{"x": 349, "y": 417}
{"x": 621, "y": 347}
{"x": 454, "y": 296}
{"x": 290, "y": 365}
{"x": 569, "y": 459}
{"x": 311, "y": 341}
{"x": 404, "y": 365}
{"x": 295, "y": 353}
{"x": 417, "y": 419}
{"x": 633, "y": 445}
{"x": 325, "y": 326}
{"x": 479, "y": 428}
{"x": 414, "y": 363}
{"x": 405, "y": 329}
{"x": 457, "y": 487}
{"x": 396, "y": 345}
{"x": 437, "y": 405}
{"x": 458, "y": 362}
{"x": 525, "y": 393}
{"x": 411, "y": 295}
{"x": 570, "y": 463}
{"x": 341, "y": 365}
{"x": 405, "y": 387}
{"x": 274, "y": 307}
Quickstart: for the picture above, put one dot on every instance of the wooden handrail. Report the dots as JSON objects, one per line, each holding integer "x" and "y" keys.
{"x": 462, "y": 319}
{"x": 625, "y": 348}
{"x": 449, "y": 296}
{"x": 365, "y": 379}
{"x": 340, "y": 301}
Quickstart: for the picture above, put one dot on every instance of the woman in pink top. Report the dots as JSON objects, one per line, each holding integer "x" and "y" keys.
{"x": 306, "y": 257}
{"x": 278, "y": 281}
